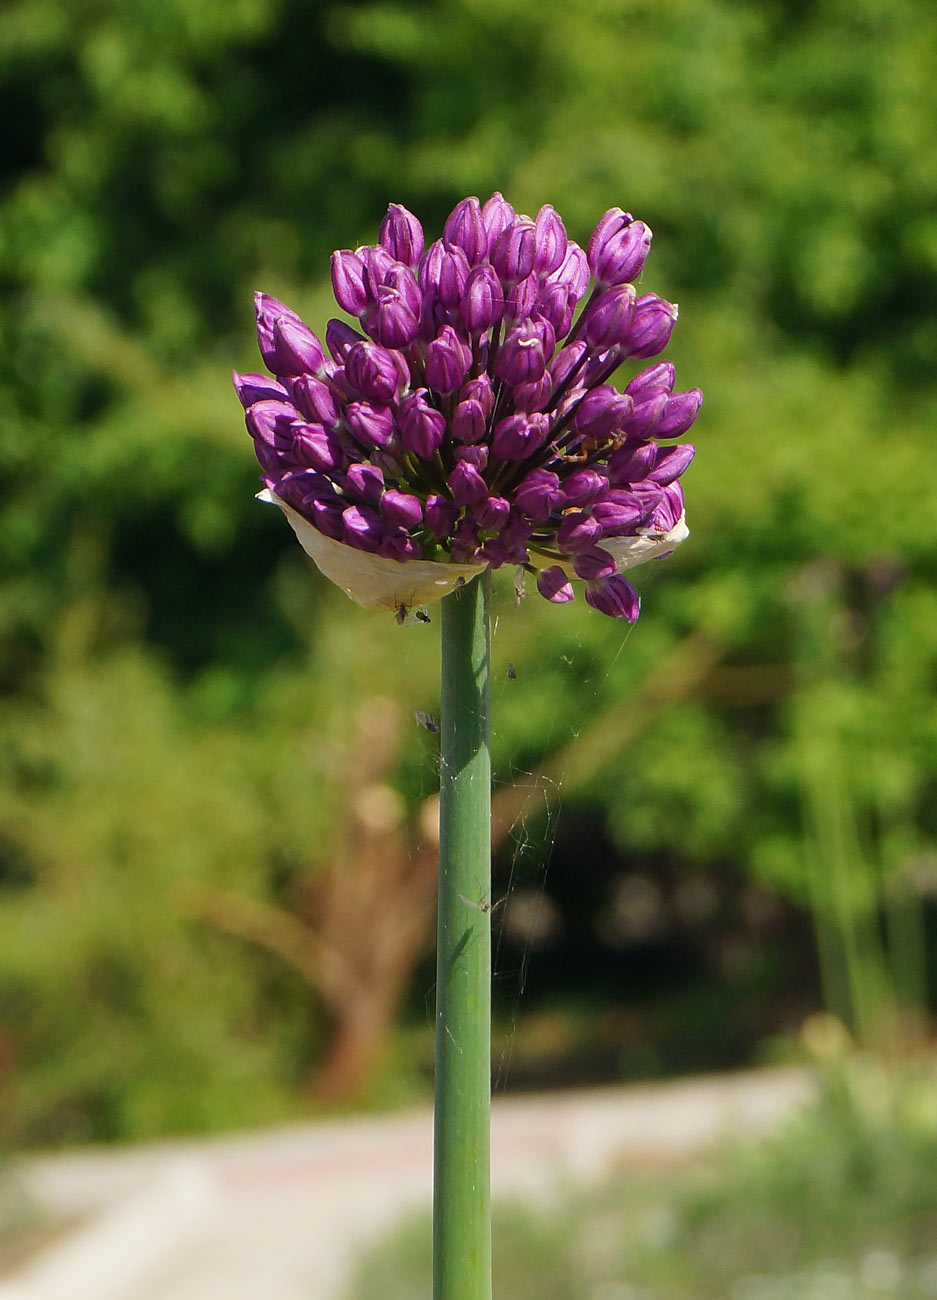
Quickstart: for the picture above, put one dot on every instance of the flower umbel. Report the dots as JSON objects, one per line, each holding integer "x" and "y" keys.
{"x": 469, "y": 421}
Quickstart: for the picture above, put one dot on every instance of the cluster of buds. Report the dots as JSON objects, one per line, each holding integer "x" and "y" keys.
{"x": 469, "y": 421}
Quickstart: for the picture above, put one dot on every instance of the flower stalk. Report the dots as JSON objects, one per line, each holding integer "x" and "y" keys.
{"x": 461, "y": 1202}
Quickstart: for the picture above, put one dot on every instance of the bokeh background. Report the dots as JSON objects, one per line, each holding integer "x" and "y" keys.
{"x": 216, "y": 854}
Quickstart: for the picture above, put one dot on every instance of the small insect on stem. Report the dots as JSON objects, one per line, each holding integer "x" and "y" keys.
{"x": 483, "y": 904}
{"x": 427, "y": 721}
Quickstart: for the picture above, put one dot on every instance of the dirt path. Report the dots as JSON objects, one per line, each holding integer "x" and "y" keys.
{"x": 280, "y": 1215}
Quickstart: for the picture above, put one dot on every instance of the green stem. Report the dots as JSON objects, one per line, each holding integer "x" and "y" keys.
{"x": 461, "y": 1206}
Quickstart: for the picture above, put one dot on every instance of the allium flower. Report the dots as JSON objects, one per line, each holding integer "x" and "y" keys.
{"x": 470, "y": 421}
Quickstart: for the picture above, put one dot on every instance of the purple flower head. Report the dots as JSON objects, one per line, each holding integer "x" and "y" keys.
{"x": 466, "y": 417}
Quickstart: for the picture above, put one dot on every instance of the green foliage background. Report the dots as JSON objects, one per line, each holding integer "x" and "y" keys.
{"x": 175, "y": 678}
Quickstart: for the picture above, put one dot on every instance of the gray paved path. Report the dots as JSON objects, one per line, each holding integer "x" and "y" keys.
{"x": 280, "y": 1215}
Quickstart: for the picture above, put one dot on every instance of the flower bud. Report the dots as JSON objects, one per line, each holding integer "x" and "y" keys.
{"x": 268, "y": 310}
{"x": 270, "y": 424}
{"x": 513, "y": 253}
{"x": 469, "y": 421}
{"x": 550, "y": 241}
{"x": 377, "y": 263}
{"x": 632, "y": 462}
{"x": 472, "y": 455}
{"x": 315, "y": 400}
{"x": 372, "y": 371}
{"x": 481, "y": 390}
{"x": 607, "y": 227}
{"x": 465, "y": 229}
{"x": 482, "y": 302}
{"x": 671, "y": 462}
{"x": 594, "y": 564}
{"x": 518, "y": 436}
{"x": 573, "y": 271}
{"x": 348, "y": 282}
{"x": 539, "y": 494}
{"x": 651, "y": 326}
{"x": 301, "y": 487}
{"x": 362, "y": 528}
{"x": 253, "y": 388}
{"x": 365, "y": 482}
{"x": 317, "y": 447}
{"x": 463, "y": 545}
{"x": 447, "y": 360}
{"x": 556, "y": 304}
{"x": 372, "y": 424}
{"x": 339, "y": 337}
{"x": 395, "y": 318}
{"x": 669, "y": 511}
{"x": 619, "y": 254}
{"x": 577, "y": 531}
{"x": 402, "y": 235}
{"x": 440, "y": 515}
{"x": 421, "y": 426}
{"x": 602, "y": 410}
{"x": 567, "y": 362}
{"x": 521, "y": 298}
{"x": 522, "y": 356}
{"x": 555, "y": 585}
{"x": 398, "y": 545}
{"x": 497, "y": 215}
{"x": 328, "y": 517}
{"x": 400, "y": 509}
{"x": 452, "y": 278}
{"x": 296, "y": 350}
{"x": 680, "y": 413}
{"x": 619, "y": 518}
{"x": 608, "y": 320}
{"x": 660, "y": 375}
{"x": 467, "y": 485}
{"x": 648, "y": 412}
{"x": 533, "y": 396}
{"x": 614, "y": 597}
{"x": 491, "y": 513}
{"x": 584, "y": 486}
